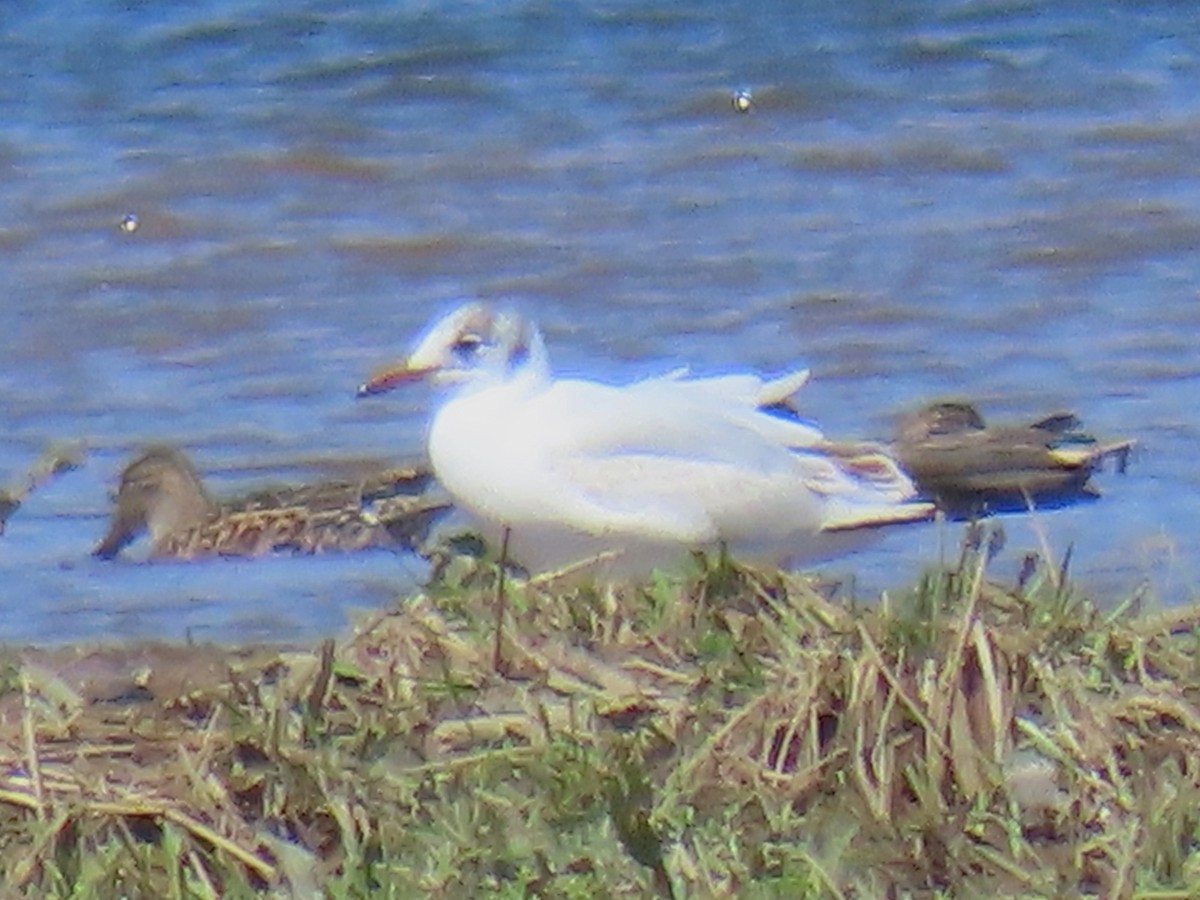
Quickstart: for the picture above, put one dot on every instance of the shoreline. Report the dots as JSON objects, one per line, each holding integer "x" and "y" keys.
{"x": 703, "y": 735}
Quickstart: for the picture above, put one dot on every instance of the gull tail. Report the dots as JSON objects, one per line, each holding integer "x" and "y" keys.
{"x": 857, "y": 517}
{"x": 782, "y": 391}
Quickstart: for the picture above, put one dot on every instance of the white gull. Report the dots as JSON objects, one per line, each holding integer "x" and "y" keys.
{"x": 623, "y": 480}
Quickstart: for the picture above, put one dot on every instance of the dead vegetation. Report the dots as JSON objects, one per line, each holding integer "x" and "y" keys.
{"x": 737, "y": 733}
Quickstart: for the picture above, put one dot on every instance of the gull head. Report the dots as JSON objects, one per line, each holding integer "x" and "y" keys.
{"x": 476, "y": 343}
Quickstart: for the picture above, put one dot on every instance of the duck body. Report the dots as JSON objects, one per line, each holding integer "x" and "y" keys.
{"x": 971, "y": 468}
{"x": 162, "y": 494}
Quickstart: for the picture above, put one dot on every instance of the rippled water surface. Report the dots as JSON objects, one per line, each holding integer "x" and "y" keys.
{"x": 996, "y": 200}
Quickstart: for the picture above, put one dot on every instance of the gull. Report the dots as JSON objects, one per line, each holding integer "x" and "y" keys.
{"x": 623, "y": 480}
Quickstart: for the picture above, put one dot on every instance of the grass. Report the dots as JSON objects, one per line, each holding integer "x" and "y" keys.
{"x": 732, "y": 733}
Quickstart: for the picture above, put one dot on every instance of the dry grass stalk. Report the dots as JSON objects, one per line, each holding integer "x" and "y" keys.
{"x": 735, "y": 732}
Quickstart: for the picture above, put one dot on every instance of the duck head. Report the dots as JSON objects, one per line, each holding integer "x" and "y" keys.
{"x": 160, "y": 493}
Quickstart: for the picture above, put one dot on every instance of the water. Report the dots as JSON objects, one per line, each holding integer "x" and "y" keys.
{"x": 996, "y": 200}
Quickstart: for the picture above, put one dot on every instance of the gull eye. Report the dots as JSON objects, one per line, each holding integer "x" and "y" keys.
{"x": 466, "y": 347}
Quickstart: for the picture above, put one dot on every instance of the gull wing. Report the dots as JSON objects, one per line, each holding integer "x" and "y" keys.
{"x": 749, "y": 388}
{"x": 689, "y": 461}
{"x": 706, "y": 419}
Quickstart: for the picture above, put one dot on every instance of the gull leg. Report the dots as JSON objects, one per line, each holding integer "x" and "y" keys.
{"x": 497, "y": 659}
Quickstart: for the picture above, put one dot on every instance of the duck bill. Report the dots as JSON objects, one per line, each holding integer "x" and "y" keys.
{"x": 120, "y": 535}
{"x": 391, "y": 378}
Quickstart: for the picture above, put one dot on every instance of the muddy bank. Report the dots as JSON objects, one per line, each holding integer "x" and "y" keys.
{"x": 693, "y": 738}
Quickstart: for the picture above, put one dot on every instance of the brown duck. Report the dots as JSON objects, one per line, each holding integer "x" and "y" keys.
{"x": 161, "y": 493}
{"x": 969, "y": 467}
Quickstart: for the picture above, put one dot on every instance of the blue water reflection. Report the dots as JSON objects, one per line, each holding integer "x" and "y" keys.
{"x": 992, "y": 200}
